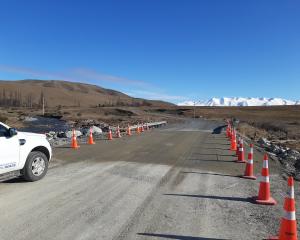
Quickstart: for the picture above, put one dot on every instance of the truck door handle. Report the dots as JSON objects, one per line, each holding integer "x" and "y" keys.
{"x": 22, "y": 141}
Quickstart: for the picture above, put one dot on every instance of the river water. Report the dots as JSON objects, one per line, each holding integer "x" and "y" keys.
{"x": 44, "y": 124}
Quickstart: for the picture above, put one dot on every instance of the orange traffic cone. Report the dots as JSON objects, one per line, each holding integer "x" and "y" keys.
{"x": 128, "y": 131}
{"x": 264, "y": 195}
{"x": 118, "y": 132}
{"x": 238, "y": 147}
{"x": 288, "y": 227}
{"x": 142, "y": 128}
{"x": 233, "y": 142}
{"x": 228, "y": 130}
{"x": 74, "y": 143}
{"x": 241, "y": 155}
{"x": 249, "y": 167}
{"x": 91, "y": 140}
{"x": 109, "y": 136}
{"x": 138, "y": 130}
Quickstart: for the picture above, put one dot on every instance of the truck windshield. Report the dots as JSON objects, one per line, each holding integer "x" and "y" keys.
{"x": 3, "y": 131}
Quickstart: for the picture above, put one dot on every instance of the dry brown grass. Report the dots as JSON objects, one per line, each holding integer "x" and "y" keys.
{"x": 278, "y": 123}
{"x": 29, "y": 93}
{"x": 110, "y": 115}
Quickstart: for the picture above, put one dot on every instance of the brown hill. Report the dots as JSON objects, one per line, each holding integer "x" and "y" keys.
{"x": 29, "y": 93}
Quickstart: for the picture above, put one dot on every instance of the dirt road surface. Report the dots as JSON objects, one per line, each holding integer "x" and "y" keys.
{"x": 179, "y": 182}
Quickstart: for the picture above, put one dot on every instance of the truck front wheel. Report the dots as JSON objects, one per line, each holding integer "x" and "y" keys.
{"x": 36, "y": 166}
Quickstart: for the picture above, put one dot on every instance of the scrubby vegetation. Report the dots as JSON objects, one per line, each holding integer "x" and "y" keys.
{"x": 277, "y": 123}
{"x": 3, "y": 118}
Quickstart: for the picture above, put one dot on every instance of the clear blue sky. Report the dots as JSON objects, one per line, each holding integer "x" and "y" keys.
{"x": 169, "y": 49}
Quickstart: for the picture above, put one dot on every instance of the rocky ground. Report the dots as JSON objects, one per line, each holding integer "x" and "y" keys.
{"x": 178, "y": 182}
{"x": 275, "y": 129}
{"x": 289, "y": 158}
{"x": 82, "y": 116}
{"x": 58, "y": 138}
{"x": 285, "y": 151}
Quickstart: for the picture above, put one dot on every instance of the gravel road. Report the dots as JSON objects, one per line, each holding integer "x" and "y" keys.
{"x": 178, "y": 182}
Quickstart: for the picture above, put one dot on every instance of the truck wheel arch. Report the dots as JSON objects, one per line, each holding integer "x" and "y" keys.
{"x": 43, "y": 150}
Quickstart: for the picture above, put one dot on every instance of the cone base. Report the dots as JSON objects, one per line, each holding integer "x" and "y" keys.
{"x": 271, "y": 201}
{"x": 75, "y": 147}
{"x": 249, "y": 177}
{"x": 91, "y": 143}
{"x": 238, "y": 161}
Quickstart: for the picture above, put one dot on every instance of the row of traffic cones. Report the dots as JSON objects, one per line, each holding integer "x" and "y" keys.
{"x": 142, "y": 128}
{"x": 118, "y": 133}
{"x": 74, "y": 143}
{"x": 288, "y": 227}
{"x": 264, "y": 195}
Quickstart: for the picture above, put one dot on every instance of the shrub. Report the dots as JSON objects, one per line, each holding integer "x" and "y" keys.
{"x": 3, "y": 118}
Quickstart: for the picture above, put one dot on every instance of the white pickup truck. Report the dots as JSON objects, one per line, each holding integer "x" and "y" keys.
{"x": 23, "y": 153}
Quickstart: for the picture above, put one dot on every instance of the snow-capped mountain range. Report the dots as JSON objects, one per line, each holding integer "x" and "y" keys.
{"x": 240, "y": 101}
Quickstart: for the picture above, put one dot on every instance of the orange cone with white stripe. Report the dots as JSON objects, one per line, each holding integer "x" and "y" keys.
{"x": 249, "y": 167}
{"x": 230, "y": 131}
{"x": 227, "y": 130}
{"x": 288, "y": 227}
{"x": 128, "y": 131}
{"x": 74, "y": 143}
{"x": 238, "y": 147}
{"x": 118, "y": 132}
{"x": 233, "y": 141}
{"x": 241, "y": 155}
{"x": 142, "y": 128}
{"x": 109, "y": 135}
{"x": 264, "y": 195}
{"x": 91, "y": 140}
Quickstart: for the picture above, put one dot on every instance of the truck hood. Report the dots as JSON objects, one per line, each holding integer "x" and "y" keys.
{"x": 29, "y": 134}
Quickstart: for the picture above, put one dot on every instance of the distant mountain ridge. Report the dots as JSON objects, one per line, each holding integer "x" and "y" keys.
{"x": 30, "y": 93}
{"x": 240, "y": 101}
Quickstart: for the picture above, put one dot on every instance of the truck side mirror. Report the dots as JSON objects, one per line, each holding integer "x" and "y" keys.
{"x": 12, "y": 132}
